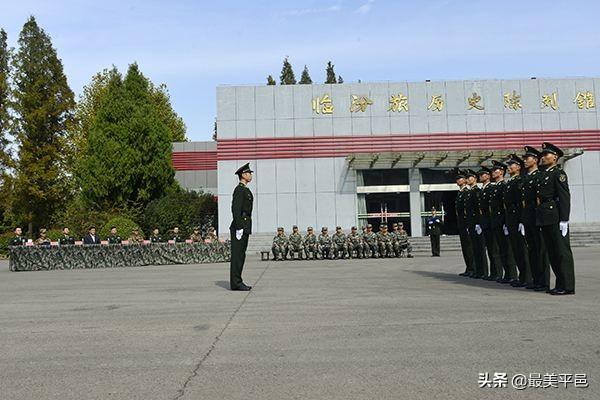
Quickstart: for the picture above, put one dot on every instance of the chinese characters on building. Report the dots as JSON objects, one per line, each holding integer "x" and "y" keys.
{"x": 399, "y": 103}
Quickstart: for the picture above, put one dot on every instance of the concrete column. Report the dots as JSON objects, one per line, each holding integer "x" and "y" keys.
{"x": 414, "y": 180}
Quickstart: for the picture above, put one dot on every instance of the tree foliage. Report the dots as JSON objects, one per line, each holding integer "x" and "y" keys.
{"x": 305, "y": 78}
{"x": 271, "y": 81}
{"x": 330, "y": 73}
{"x": 287, "y": 76}
{"x": 4, "y": 103}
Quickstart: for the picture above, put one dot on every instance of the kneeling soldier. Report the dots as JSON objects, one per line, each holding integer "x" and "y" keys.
{"x": 370, "y": 241}
{"x": 355, "y": 243}
{"x": 295, "y": 243}
{"x": 385, "y": 242}
{"x": 340, "y": 244}
{"x": 324, "y": 244}
{"x": 403, "y": 241}
{"x": 280, "y": 245}
{"x": 310, "y": 244}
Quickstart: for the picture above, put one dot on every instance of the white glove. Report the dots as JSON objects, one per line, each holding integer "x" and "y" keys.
{"x": 478, "y": 229}
{"x": 238, "y": 234}
{"x": 430, "y": 222}
{"x": 564, "y": 227}
{"x": 467, "y": 229}
{"x": 522, "y": 229}
{"x": 505, "y": 229}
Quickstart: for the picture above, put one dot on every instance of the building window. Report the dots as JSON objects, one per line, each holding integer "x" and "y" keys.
{"x": 382, "y": 177}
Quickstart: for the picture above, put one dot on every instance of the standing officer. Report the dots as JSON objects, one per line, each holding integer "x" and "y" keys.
{"x": 498, "y": 223}
{"x": 514, "y": 223}
{"x": 485, "y": 224}
{"x": 434, "y": 228}
{"x": 241, "y": 227}
{"x": 554, "y": 207}
{"x": 540, "y": 269}
{"x": 473, "y": 219}
{"x": 463, "y": 232}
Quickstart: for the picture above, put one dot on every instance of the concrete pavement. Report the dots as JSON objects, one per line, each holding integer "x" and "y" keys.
{"x": 372, "y": 329}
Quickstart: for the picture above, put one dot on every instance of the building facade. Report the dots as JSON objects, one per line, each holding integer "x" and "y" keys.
{"x": 351, "y": 154}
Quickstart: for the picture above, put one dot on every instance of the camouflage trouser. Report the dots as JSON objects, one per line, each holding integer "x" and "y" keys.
{"x": 358, "y": 247}
{"x": 402, "y": 248}
{"x": 370, "y": 250}
{"x": 386, "y": 249}
{"x": 325, "y": 251}
{"x": 312, "y": 250}
{"x": 295, "y": 248}
{"x": 340, "y": 248}
{"x": 279, "y": 251}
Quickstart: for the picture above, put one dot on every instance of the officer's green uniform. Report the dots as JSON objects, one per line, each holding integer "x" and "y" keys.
{"x": 554, "y": 208}
{"x": 485, "y": 223}
{"x": 114, "y": 239}
{"x": 472, "y": 219}
{"x": 498, "y": 222}
{"x": 177, "y": 238}
{"x": 513, "y": 206}
{"x": 538, "y": 260}
{"x": 66, "y": 240}
{"x": 17, "y": 241}
{"x": 463, "y": 233}
{"x": 241, "y": 210}
{"x": 156, "y": 239}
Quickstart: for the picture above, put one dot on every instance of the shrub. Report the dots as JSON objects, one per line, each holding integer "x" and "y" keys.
{"x": 4, "y": 238}
{"x": 54, "y": 234}
{"x": 183, "y": 209}
{"x": 124, "y": 227}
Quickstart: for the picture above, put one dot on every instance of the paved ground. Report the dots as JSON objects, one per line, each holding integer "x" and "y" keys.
{"x": 374, "y": 329}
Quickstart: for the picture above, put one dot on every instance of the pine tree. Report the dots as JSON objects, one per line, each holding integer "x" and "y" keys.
{"x": 127, "y": 159}
{"x": 287, "y": 74}
{"x": 305, "y": 78}
{"x": 162, "y": 102}
{"x": 270, "y": 81}
{"x": 340, "y": 79}
{"x": 4, "y": 124}
{"x": 43, "y": 109}
{"x": 330, "y": 73}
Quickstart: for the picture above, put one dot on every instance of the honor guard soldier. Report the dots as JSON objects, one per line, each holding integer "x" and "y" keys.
{"x": 324, "y": 244}
{"x": 538, "y": 261}
{"x": 498, "y": 223}
{"x": 370, "y": 241}
{"x": 552, "y": 214}
{"x": 514, "y": 220}
{"x": 434, "y": 229}
{"x": 473, "y": 220}
{"x": 295, "y": 244}
{"x": 463, "y": 232}
{"x": 280, "y": 245}
{"x": 241, "y": 227}
{"x": 66, "y": 238}
{"x": 310, "y": 244}
{"x": 485, "y": 224}
{"x": 114, "y": 238}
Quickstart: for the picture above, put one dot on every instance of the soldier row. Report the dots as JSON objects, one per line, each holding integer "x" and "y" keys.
{"x": 366, "y": 244}
{"x": 114, "y": 238}
{"x": 520, "y": 224}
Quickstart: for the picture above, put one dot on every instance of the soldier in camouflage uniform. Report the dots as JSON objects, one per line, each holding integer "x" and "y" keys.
{"x": 114, "y": 238}
{"x": 177, "y": 237}
{"x": 385, "y": 242}
{"x": 156, "y": 238}
{"x": 136, "y": 237}
{"x": 66, "y": 238}
{"x": 395, "y": 234}
{"x": 295, "y": 243}
{"x": 370, "y": 243}
{"x": 355, "y": 243}
{"x": 403, "y": 241}
{"x": 18, "y": 239}
{"x": 196, "y": 236}
{"x": 340, "y": 243}
{"x": 310, "y": 243}
{"x": 211, "y": 235}
{"x": 324, "y": 244}
{"x": 43, "y": 239}
{"x": 280, "y": 245}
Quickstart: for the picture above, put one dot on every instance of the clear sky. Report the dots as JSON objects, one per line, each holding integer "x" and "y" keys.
{"x": 193, "y": 46}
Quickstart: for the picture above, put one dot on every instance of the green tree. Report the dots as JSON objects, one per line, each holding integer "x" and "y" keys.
{"x": 330, "y": 73}
{"x": 43, "y": 109}
{"x": 287, "y": 76}
{"x": 305, "y": 78}
{"x": 4, "y": 103}
{"x": 127, "y": 159}
{"x": 340, "y": 79}
{"x": 270, "y": 81}
{"x": 162, "y": 102}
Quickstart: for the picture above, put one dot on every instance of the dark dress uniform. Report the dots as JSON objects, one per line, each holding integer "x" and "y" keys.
{"x": 114, "y": 239}
{"x": 434, "y": 228}
{"x": 465, "y": 240}
{"x": 156, "y": 239}
{"x": 485, "y": 222}
{"x": 17, "y": 241}
{"x": 553, "y": 208}
{"x": 513, "y": 205}
{"x": 66, "y": 240}
{"x": 241, "y": 210}
{"x": 473, "y": 219}
{"x": 538, "y": 261}
{"x": 498, "y": 222}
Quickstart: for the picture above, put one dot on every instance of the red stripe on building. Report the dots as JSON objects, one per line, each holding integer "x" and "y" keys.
{"x": 341, "y": 146}
{"x": 195, "y": 160}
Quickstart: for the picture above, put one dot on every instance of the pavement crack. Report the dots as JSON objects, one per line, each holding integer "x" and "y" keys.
{"x": 198, "y": 365}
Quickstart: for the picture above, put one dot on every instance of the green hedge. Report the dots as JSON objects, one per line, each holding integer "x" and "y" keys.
{"x": 124, "y": 227}
{"x": 4, "y": 238}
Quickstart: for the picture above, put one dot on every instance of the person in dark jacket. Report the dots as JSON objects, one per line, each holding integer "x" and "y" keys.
{"x": 434, "y": 229}
{"x": 241, "y": 227}
{"x": 91, "y": 237}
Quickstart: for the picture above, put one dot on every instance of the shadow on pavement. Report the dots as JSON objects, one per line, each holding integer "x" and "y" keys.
{"x": 223, "y": 284}
{"x": 444, "y": 276}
